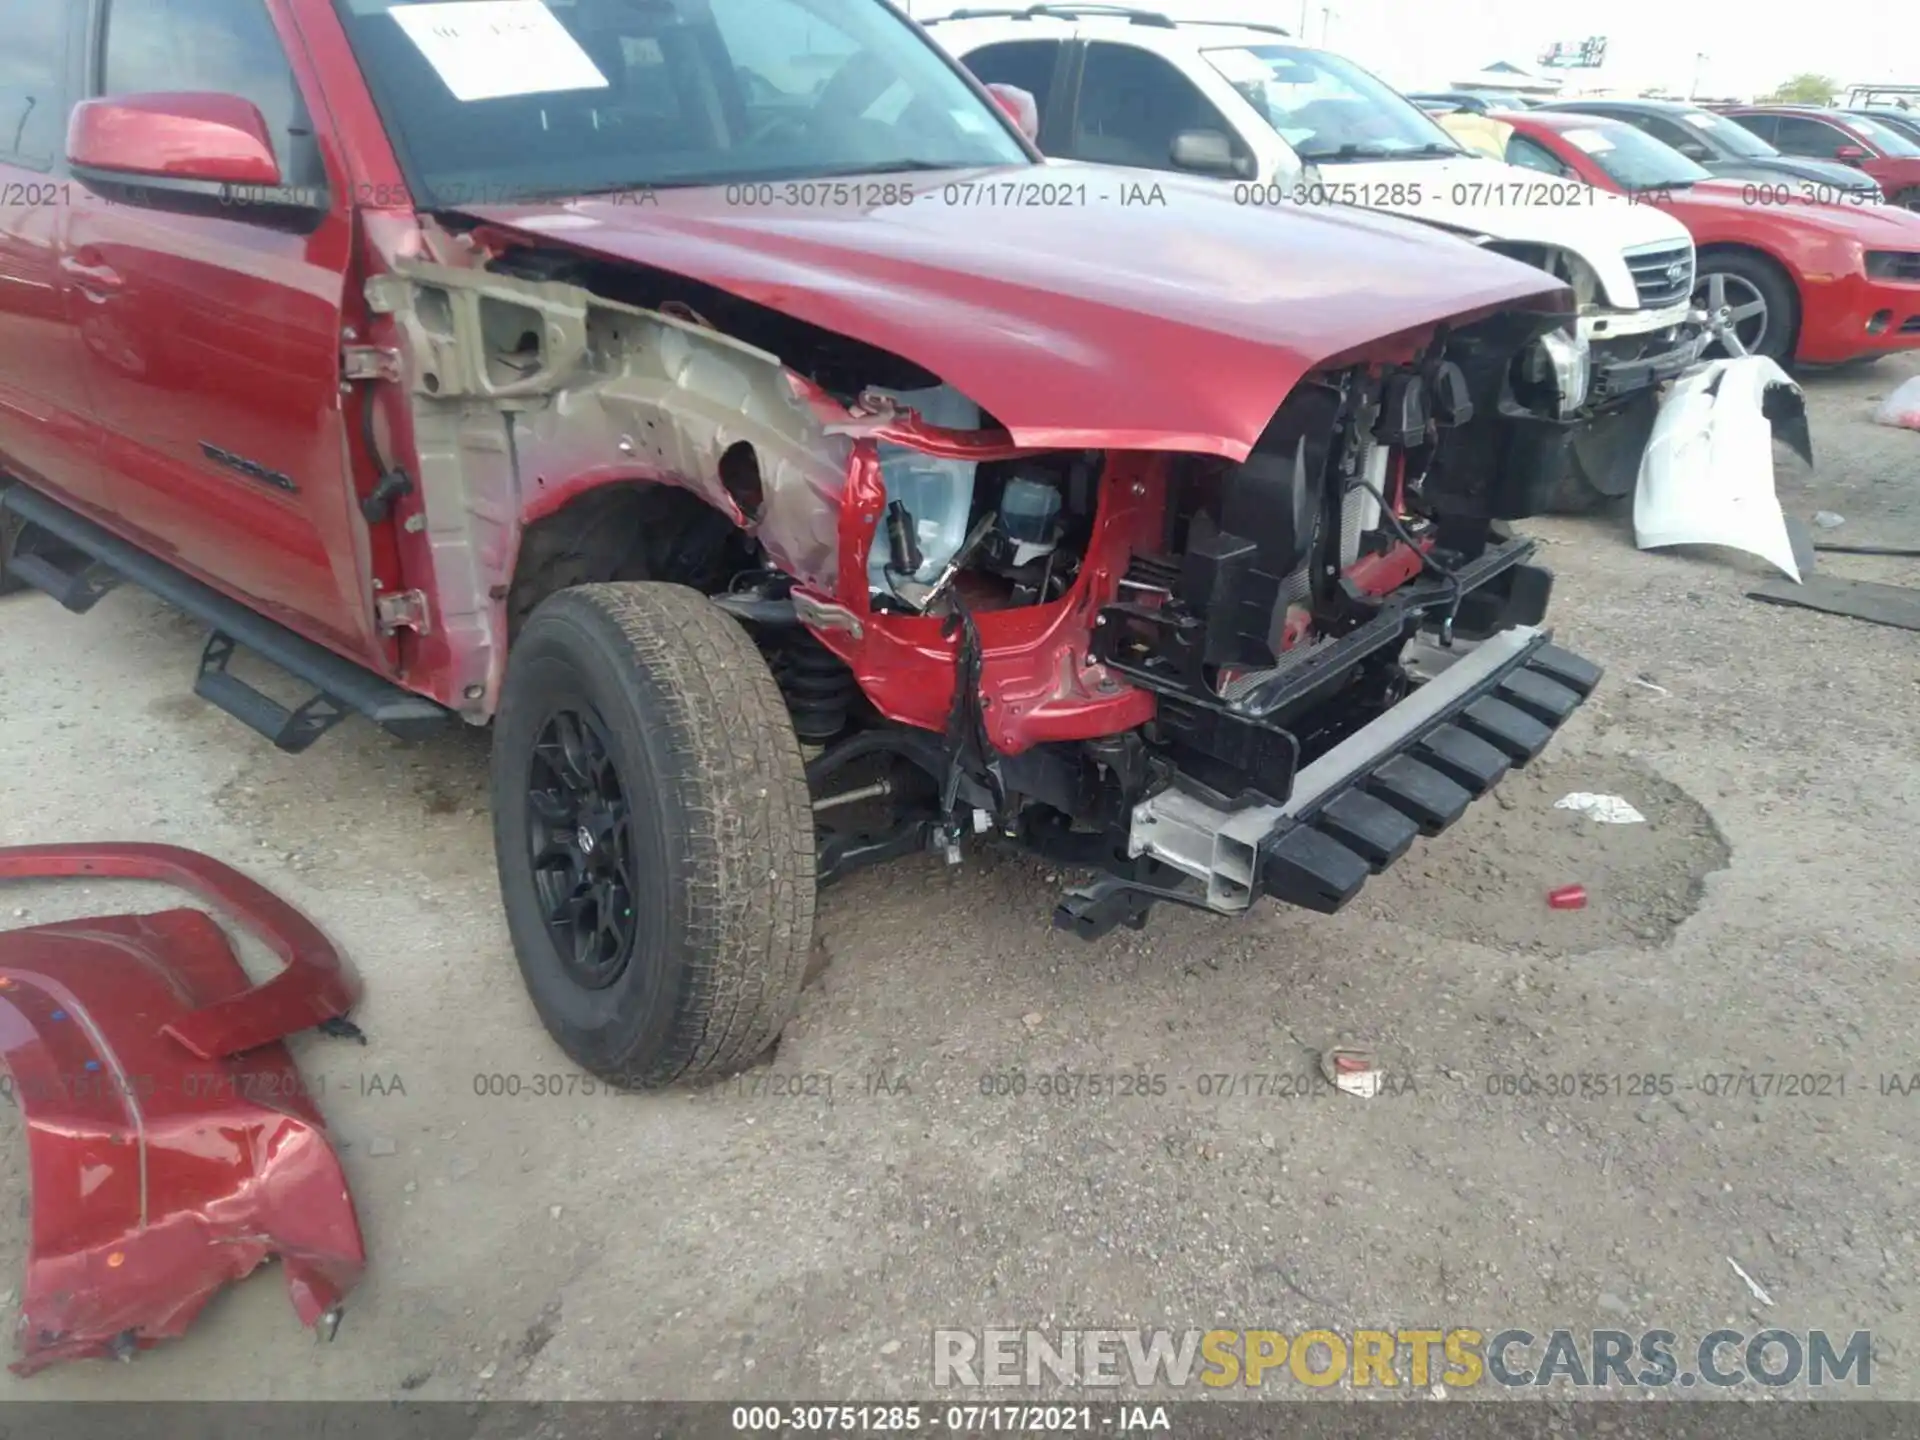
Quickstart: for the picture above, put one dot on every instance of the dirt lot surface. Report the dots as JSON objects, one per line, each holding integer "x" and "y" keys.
{"x": 802, "y": 1230}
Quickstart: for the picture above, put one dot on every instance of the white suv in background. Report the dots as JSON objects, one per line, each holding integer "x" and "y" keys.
{"x": 1286, "y": 123}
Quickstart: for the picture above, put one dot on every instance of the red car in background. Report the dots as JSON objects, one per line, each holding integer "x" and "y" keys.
{"x": 1820, "y": 278}
{"x": 1885, "y": 152}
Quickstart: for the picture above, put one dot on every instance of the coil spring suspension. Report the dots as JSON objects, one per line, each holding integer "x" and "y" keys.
{"x": 819, "y": 688}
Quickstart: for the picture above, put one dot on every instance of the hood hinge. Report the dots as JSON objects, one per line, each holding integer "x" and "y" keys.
{"x": 403, "y": 610}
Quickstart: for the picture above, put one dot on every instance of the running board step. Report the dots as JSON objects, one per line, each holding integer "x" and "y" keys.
{"x": 343, "y": 687}
{"x": 289, "y": 730}
{"x": 69, "y": 575}
{"x": 78, "y": 590}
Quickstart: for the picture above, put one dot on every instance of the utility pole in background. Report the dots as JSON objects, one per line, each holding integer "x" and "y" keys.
{"x": 1700, "y": 57}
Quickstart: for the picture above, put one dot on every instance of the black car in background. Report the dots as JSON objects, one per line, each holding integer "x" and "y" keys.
{"x": 1720, "y": 145}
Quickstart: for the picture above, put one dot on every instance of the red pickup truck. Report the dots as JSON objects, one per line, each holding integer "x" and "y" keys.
{"x": 725, "y": 402}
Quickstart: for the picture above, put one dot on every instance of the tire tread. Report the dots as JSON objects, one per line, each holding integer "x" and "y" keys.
{"x": 694, "y": 678}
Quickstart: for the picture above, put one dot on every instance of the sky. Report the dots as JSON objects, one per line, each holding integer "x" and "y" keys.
{"x": 1750, "y": 45}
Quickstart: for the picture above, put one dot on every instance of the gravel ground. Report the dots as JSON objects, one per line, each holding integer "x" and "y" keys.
{"x": 800, "y": 1231}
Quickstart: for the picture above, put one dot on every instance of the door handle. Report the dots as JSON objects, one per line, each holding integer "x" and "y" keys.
{"x": 98, "y": 281}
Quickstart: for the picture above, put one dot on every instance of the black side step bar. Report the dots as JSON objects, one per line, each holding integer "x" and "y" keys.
{"x": 104, "y": 559}
{"x": 79, "y": 585}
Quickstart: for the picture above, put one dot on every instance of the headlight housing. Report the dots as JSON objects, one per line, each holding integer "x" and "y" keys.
{"x": 1561, "y": 364}
{"x": 1562, "y": 264}
{"x": 1893, "y": 265}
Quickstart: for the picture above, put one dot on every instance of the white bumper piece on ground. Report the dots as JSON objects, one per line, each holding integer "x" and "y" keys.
{"x": 1707, "y": 475}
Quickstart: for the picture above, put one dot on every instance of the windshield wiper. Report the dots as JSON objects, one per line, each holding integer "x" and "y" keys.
{"x": 883, "y": 167}
{"x": 1379, "y": 152}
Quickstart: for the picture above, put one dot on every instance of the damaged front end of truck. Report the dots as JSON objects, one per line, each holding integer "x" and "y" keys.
{"x": 1252, "y": 645}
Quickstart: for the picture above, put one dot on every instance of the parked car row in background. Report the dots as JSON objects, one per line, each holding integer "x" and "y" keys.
{"x": 1795, "y": 279}
{"x": 1891, "y": 155}
{"x": 1803, "y": 249}
{"x": 1720, "y": 144}
{"x": 1904, "y": 122}
{"x": 1291, "y": 125}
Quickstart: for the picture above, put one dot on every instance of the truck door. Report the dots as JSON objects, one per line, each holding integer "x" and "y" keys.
{"x": 214, "y": 331}
{"x": 46, "y": 431}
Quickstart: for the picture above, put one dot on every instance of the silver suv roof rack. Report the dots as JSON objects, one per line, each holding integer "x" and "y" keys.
{"x": 1244, "y": 25}
{"x": 1131, "y": 14}
{"x": 1062, "y": 12}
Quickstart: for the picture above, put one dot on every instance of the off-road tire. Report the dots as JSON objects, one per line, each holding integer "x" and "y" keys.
{"x": 721, "y": 855}
{"x": 1603, "y": 459}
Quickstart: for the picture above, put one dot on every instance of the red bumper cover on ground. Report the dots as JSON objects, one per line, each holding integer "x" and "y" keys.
{"x": 171, "y": 1140}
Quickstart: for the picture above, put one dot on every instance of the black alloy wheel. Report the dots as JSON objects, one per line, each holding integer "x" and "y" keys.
{"x": 579, "y": 837}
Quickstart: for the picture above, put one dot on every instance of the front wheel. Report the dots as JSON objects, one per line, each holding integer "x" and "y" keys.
{"x": 653, "y": 832}
{"x": 1753, "y": 298}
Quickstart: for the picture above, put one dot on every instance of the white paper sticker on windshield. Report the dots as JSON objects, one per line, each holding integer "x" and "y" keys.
{"x": 1591, "y": 141}
{"x": 484, "y": 49}
{"x": 1241, "y": 67}
{"x": 562, "y": 221}
{"x": 891, "y": 104}
{"x": 1700, "y": 119}
{"x": 971, "y": 121}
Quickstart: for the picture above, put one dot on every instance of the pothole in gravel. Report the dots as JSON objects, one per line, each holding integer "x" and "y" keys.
{"x": 1486, "y": 880}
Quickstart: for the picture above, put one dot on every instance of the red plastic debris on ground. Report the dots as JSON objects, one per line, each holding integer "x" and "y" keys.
{"x": 1568, "y": 897}
{"x": 171, "y": 1141}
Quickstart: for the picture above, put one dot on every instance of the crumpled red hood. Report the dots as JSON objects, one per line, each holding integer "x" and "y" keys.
{"x": 1172, "y": 323}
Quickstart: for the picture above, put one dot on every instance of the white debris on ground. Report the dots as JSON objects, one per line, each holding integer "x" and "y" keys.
{"x": 1902, "y": 407}
{"x": 1752, "y": 1284}
{"x": 1607, "y": 809}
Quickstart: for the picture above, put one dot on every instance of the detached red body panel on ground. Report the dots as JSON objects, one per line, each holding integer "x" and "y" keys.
{"x": 172, "y": 1143}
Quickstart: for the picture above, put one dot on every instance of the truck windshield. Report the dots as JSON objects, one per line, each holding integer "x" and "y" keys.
{"x": 1328, "y": 108}
{"x": 518, "y": 100}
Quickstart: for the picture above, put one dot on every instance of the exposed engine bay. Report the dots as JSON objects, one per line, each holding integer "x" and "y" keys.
{"x": 974, "y": 636}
